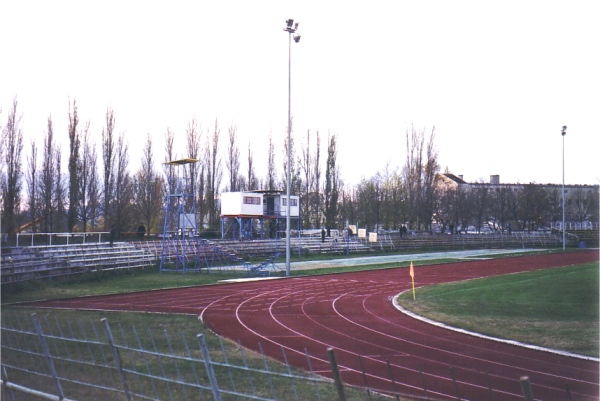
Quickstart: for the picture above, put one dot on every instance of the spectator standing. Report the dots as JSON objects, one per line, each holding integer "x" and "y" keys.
{"x": 112, "y": 234}
{"x": 141, "y": 231}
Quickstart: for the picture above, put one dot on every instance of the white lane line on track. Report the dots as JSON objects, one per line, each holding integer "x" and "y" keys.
{"x": 574, "y": 378}
{"x": 385, "y": 379}
{"x": 311, "y": 339}
{"x": 414, "y": 356}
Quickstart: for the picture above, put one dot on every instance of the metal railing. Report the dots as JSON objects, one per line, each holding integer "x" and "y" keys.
{"x": 54, "y": 359}
{"x": 62, "y": 237}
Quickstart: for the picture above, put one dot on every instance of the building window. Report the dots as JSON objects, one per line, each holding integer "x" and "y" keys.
{"x": 293, "y": 202}
{"x": 251, "y": 200}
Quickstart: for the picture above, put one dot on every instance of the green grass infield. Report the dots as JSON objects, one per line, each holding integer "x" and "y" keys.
{"x": 553, "y": 308}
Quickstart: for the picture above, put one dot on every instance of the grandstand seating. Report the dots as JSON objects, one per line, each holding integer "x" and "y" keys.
{"x": 52, "y": 261}
{"x": 258, "y": 257}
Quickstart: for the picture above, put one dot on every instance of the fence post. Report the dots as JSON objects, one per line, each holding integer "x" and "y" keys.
{"x": 117, "y": 358}
{"x": 209, "y": 368}
{"x": 38, "y": 329}
{"x": 336, "y": 375}
{"x": 526, "y": 388}
{"x": 7, "y": 385}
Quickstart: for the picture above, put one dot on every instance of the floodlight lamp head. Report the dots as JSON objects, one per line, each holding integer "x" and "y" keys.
{"x": 296, "y": 38}
{"x": 289, "y": 23}
{"x": 296, "y": 25}
{"x": 564, "y": 130}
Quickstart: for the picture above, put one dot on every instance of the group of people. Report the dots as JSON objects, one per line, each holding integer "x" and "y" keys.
{"x": 141, "y": 232}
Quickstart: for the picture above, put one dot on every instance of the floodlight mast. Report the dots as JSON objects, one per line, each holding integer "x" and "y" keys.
{"x": 290, "y": 29}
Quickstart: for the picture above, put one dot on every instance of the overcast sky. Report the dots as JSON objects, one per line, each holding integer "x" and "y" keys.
{"x": 497, "y": 79}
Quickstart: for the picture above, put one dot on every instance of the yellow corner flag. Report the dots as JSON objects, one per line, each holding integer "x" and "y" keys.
{"x": 412, "y": 275}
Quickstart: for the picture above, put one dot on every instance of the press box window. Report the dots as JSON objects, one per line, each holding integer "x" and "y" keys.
{"x": 251, "y": 200}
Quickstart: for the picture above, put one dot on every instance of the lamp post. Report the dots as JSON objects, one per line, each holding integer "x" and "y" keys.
{"x": 564, "y": 235}
{"x": 290, "y": 28}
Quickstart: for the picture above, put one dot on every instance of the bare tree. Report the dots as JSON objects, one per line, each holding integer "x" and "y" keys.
{"x": 252, "y": 183}
{"x": 148, "y": 189}
{"x": 32, "y": 187}
{"x": 123, "y": 194}
{"x": 196, "y": 171}
{"x": 311, "y": 197}
{"x": 169, "y": 156}
{"x": 74, "y": 145}
{"x": 500, "y": 208}
{"x": 108, "y": 157}
{"x": 581, "y": 205}
{"x": 391, "y": 198}
{"x": 295, "y": 182}
{"x": 532, "y": 207}
{"x": 332, "y": 183}
{"x": 233, "y": 160}
{"x": 60, "y": 220}
{"x": 421, "y": 177}
{"x": 412, "y": 174}
{"x": 368, "y": 201}
{"x": 480, "y": 201}
{"x": 88, "y": 191}
{"x": 49, "y": 183}
{"x": 430, "y": 194}
{"x": 307, "y": 166}
{"x": 318, "y": 202}
{"x": 12, "y": 147}
{"x": 271, "y": 170}
{"x": 213, "y": 177}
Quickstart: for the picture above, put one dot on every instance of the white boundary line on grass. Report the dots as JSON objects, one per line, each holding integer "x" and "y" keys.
{"x": 472, "y": 333}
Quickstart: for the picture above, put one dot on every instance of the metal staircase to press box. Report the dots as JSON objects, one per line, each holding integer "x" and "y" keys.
{"x": 179, "y": 237}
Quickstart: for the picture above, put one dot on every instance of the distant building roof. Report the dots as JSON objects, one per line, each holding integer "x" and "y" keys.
{"x": 454, "y": 178}
{"x": 181, "y": 161}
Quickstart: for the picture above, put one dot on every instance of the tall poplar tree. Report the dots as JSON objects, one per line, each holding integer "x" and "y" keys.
{"x": 49, "y": 182}
{"x": 332, "y": 184}
{"x": 233, "y": 160}
{"x": 108, "y": 157}
{"x": 12, "y": 174}
{"x": 74, "y": 173}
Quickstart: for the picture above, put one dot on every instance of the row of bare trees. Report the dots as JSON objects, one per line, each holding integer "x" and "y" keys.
{"x": 98, "y": 190}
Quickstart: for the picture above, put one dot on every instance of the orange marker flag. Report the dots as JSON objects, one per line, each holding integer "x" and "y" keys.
{"x": 412, "y": 275}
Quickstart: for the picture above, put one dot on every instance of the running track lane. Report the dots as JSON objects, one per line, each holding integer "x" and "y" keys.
{"x": 353, "y": 313}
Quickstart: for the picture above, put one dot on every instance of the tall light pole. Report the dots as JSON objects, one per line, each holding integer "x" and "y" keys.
{"x": 564, "y": 235}
{"x": 290, "y": 28}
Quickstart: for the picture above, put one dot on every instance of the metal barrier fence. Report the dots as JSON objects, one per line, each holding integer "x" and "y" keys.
{"x": 58, "y": 360}
{"x": 52, "y": 359}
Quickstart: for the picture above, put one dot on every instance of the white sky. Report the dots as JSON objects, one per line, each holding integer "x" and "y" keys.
{"x": 497, "y": 79}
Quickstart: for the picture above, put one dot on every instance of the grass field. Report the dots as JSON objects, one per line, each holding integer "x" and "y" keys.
{"x": 554, "y": 308}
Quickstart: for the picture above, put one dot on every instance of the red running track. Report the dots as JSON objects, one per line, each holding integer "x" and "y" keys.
{"x": 353, "y": 314}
